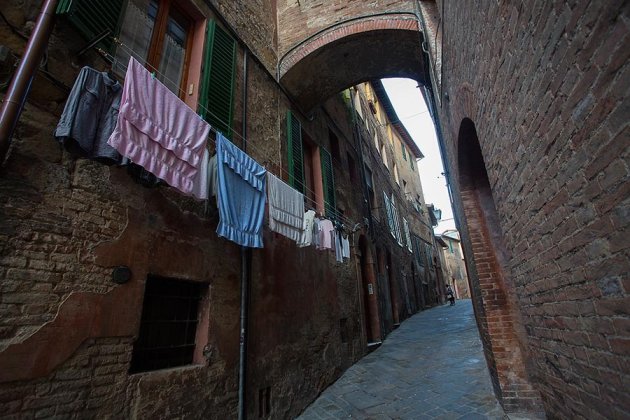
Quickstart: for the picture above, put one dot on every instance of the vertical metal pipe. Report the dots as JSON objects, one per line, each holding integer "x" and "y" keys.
{"x": 245, "y": 277}
{"x": 19, "y": 86}
{"x": 242, "y": 367}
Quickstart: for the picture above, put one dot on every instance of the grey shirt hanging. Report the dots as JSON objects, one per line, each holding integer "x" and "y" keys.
{"x": 90, "y": 114}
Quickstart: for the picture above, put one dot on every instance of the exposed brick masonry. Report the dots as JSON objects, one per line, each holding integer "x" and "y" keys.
{"x": 546, "y": 86}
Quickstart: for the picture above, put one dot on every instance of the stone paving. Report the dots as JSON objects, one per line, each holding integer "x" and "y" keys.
{"x": 431, "y": 367}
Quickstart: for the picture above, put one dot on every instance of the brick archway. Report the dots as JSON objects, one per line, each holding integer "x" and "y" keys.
{"x": 366, "y": 48}
{"x": 500, "y": 326}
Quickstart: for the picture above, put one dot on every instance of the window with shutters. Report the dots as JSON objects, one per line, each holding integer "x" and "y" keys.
{"x": 96, "y": 21}
{"x": 357, "y": 105}
{"x": 418, "y": 250}
{"x": 396, "y": 218}
{"x": 158, "y": 33}
{"x": 407, "y": 234}
{"x": 216, "y": 100}
{"x": 404, "y": 152}
{"x": 165, "y": 35}
{"x": 390, "y": 214}
{"x": 369, "y": 180}
{"x": 384, "y": 156}
{"x": 429, "y": 253}
{"x": 296, "y": 159}
{"x": 328, "y": 179}
{"x": 310, "y": 169}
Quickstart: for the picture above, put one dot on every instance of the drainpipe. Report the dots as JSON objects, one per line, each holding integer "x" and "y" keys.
{"x": 245, "y": 279}
{"x": 21, "y": 81}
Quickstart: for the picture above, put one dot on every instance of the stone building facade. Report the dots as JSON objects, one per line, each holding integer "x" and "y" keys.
{"x": 85, "y": 247}
{"x": 530, "y": 104}
{"x": 454, "y": 264}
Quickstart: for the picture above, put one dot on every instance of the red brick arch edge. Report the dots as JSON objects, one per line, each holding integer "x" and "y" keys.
{"x": 405, "y": 22}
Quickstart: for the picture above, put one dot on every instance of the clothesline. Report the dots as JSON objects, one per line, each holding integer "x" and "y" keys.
{"x": 335, "y": 213}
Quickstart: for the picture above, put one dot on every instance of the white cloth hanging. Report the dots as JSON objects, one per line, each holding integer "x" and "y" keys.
{"x": 345, "y": 247}
{"x": 286, "y": 208}
{"x": 306, "y": 238}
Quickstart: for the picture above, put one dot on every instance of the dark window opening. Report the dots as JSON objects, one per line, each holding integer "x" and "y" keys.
{"x": 368, "y": 178}
{"x": 343, "y": 330}
{"x": 264, "y": 402}
{"x": 372, "y": 196}
{"x": 170, "y": 314}
{"x": 352, "y": 169}
{"x": 372, "y": 107}
{"x": 334, "y": 145}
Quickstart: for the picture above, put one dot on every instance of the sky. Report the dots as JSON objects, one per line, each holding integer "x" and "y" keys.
{"x": 412, "y": 111}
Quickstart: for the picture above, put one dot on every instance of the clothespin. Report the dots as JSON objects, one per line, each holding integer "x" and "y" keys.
{"x": 152, "y": 75}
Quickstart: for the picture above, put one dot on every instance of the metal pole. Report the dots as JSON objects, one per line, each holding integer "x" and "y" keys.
{"x": 242, "y": 367}
{"x": 17, "y": 91}
{"x": 245, "y": 276}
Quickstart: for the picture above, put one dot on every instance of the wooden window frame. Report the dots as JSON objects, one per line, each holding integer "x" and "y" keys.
{"x": 156, "y": 46}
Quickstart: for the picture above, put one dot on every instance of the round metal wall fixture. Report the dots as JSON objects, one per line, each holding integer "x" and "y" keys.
{"x": 121, "y": 274}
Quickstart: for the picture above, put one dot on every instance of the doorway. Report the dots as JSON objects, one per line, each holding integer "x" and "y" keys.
{"x": 370, "y": 301}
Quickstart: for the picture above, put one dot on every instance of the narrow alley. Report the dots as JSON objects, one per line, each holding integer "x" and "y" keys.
{"x": 219, "y": 209}
{"x": 432, "y": 366}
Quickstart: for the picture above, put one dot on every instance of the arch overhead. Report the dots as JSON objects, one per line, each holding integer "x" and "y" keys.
{"x": 351, "y": 52}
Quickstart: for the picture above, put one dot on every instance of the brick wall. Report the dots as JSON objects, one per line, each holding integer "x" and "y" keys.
{"x": 298, "y": 20}
{"x": 545, "y": 85}
{"x": 255, "y": 23}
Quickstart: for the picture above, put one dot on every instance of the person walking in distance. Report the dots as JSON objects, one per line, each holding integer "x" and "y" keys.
{"x": 450, "y": 295}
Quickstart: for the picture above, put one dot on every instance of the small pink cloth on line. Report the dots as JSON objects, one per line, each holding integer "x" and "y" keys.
{"x": 326, "y": 229}
{"x": 158, "y": 131}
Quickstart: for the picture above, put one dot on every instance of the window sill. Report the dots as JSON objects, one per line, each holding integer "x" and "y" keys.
{"x": 169, "y": 371}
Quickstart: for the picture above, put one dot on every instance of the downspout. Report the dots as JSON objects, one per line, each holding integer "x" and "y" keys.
{"x": 245, "y": 277}
{"x": 24, "y": 74}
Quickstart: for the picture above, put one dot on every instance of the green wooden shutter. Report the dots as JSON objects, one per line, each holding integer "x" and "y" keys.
{"x": 398, "y": 235}
{"x": 329, "y": 183}
{"x": 411, "y": 163}
{"x": 404, "y": 152}
{"x": 388, "y": 209}
{"x": 93, "y": 18}
{"x": 296, "y": 155}
{"x": 216, "y": 103}
{"x": 407, "y": 234}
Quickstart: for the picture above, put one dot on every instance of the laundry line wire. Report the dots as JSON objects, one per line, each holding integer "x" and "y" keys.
{"x": 129, "y": 50}
{"x": 335, "y": 212}
{"x": 400, "y": 120}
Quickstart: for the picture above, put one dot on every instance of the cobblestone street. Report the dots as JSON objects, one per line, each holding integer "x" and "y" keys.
{"x": 431, "y": 367}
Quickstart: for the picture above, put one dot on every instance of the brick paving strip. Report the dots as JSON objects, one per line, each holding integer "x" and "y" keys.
{"x": 431, "y": 367}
